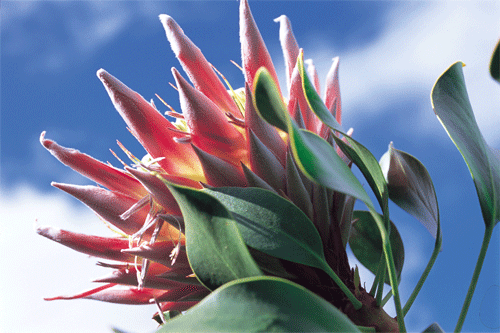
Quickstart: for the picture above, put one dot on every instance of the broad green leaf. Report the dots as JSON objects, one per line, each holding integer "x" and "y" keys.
{"x": 434, "y": 328}
{"x": 215, "y": 249}
{"x": 411, "y": 188}
{"x": 277, "y": 227}
{"x": 261, "y": 304}
{"x": 366, "y": 243}
{"x": 272, "y": 224}
{"x": 495, "y": 63}
{"x": 453, "y": 109}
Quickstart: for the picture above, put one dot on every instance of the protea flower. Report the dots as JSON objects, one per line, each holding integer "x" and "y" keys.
{"x": 217, "y": 140}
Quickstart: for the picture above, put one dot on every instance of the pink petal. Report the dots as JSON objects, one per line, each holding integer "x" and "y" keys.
{"x": 114, "y": 293}
{"x": 101, "y": 247}
{"x": 265, "y": 132}
{"x": 198, "y": 69}
{"x": 210, "y": 129}
{"x": 108, "y": 205}
{"x": 151, "y": 129}
{"x": 103, "y": 174}
{"x": 288, "y": 45}
{"x": 158, "y": 190}
{"x": 254, "y": 52}
{"x": 332, "y": 93}
{"x": 177, "y": 306}
{"x": 265, "y": 164}
{"x": 297, "y": 96}
{"x": 219, "y": 172}
{"x": 158, "y": 252}
{"x": 128, "y": 276}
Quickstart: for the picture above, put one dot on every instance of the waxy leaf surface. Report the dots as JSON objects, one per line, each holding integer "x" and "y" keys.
{"x": 411, "y": 187}
{"x": 453, "y": 109}
{"x": 366, "y": 243}
{"x": 215, "y": 249}
{"x": 273, "y": 225}
{"x": 261, "y": 304}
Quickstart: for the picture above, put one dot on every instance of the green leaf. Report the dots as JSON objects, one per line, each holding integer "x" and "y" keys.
{"x": 272, "y": 224}
{"x": 268, "y": 101}
{"x": 453, "y": 109}
{"x": 411, "y": 188}
{"x": 495, "y": 63}
{"x": 263, "y": 304}
{"x": 366, "y": 243}
{"x": 215, "y": 249}
{"x": 277, "y": 227}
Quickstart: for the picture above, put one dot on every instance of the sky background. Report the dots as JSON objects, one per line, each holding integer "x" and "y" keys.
{"x": 390, "y": 52}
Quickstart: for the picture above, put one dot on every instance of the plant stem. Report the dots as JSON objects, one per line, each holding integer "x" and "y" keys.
{"x": 381, "y": 267}
{"x": 480, "y": 260}
{"x": 380, "y": 290}
{"x": 413, "y": 296}
{"x": 355, "y": 302}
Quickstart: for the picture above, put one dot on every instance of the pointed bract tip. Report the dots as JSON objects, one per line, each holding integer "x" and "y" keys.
{"x": 280, "y": 18}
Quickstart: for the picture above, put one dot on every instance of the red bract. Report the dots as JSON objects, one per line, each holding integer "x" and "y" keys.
{"x": 218, "y": 140}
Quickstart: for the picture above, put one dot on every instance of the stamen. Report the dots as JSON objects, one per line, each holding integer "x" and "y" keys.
{"x": 160, "y": 312}
{"x": 174, "y": 114}
{"x": 234, "y": 63}
{"x": 171, "y": 84}
{"x": 135, "y": 207}
{"x": 185, "y": 139}
{"x": 235, "y": 121}
{"x": 240, "y": 103}
{"x": 119, "y": 159}
{"x": 178, "y": 131}
{"x": 129, "y": 154}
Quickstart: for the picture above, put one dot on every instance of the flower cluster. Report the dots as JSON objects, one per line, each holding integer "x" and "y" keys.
{"x": 218, "y": 140}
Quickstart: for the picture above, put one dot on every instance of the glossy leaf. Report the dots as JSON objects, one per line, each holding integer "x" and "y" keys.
{"x": 215, "y": 249}
{"x": 453, "y": 109}
{"x": 263, "y": 304}
{"x": 277, "y": 227}
{"x": 495, "y": 63}
{"x": 272, "y": 224}
{"x": 366, "y": 243}
{"x": 411, "y": 188}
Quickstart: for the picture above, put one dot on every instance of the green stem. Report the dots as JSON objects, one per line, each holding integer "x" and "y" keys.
{"x": 380, "y": 269}
{"x": 413, "y": 296}
{"x": 386, "y": 245}
{"x": 380, "y": 290}
{"x": 480, "y": 260}
{"x": 386, "y": 298}
{"x": 355, "y": 302}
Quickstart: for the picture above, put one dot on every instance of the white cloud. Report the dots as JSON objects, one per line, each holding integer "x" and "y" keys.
{"x": 419, "y": 42}
{"x": 34, "y": 267}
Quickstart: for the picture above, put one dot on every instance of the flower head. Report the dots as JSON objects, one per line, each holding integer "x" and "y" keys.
{"x": 217, "y": 140}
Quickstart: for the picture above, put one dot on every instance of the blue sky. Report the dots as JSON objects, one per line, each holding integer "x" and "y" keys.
{"x": 391, "y": 54}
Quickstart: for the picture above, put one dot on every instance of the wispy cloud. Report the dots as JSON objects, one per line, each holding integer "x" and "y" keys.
{"x": 420, "y": 41}
{"x": 62, "y": 34}
{"x": 34, "y": 267}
